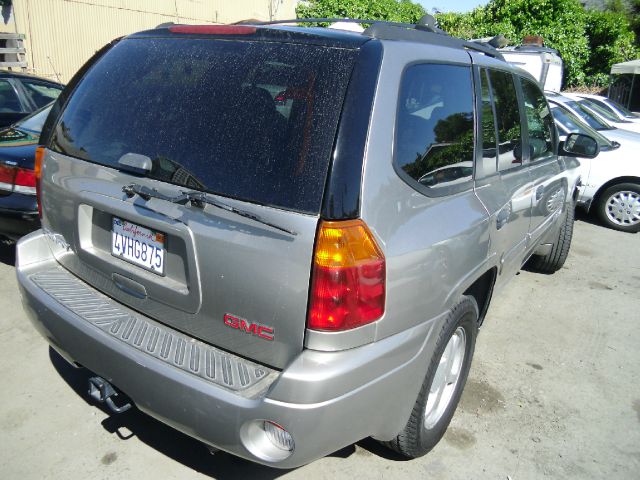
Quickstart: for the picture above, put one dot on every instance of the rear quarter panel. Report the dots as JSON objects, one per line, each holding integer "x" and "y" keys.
{"x": 434, "y": 247}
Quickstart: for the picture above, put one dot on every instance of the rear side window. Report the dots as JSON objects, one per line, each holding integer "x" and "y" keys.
{"x": 508, "y": 120}
{"x": 539, "y": 122}
{"x": 434, "y": 131}
{"x": 205, "y": 111}
{"x": 9, "y": 101}
{"x": 41, "y": 93}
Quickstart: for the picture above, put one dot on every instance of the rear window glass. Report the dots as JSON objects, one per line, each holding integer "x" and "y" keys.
{"x": 248, "y": 120}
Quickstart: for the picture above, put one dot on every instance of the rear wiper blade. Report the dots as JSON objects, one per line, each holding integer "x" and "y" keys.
{"x": 197, "y": 199}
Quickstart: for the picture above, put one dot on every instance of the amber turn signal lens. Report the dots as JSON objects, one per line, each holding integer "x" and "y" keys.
{"x": 348, "y": 278}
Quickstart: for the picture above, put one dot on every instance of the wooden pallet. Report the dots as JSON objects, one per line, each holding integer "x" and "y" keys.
{"x": 12, "y": 51}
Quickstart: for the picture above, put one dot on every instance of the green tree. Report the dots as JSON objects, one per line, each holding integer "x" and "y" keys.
{"x": 611, "y": 40}
{"x": 392, "y": 10}
{"x": 562, "y": 24}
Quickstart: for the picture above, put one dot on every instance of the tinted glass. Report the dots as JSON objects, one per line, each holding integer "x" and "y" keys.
{"x": 604, "y": 112}
{"x": 508, "y": 120}
{"x": 489, "y": 139}
{"x": 539, "y": 122}
{"x": 205, "y": 112}
{"x": 587, "y": 117}
{"x": 434, "y": 139}
{"x": 41, "y": 93}
{"x": 569, "y": 123}
{"x": 624, "y": 111}
{"x": 9, "y": 101}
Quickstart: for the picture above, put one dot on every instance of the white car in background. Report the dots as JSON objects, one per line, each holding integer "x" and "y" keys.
{"x": 588, "y": 117}
{"x": 610, "y": 105}
{"x": 611, "y": 181}
{"x": 603, "y": 113}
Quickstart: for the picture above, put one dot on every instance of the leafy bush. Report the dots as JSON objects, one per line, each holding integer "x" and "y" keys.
{"x": 588, "y": 41}
{"x": 611, "y": 40}
{"x": 392, "y": 10}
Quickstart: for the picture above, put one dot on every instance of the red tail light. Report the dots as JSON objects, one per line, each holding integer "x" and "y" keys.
{"x": 37, "y": 170}
{"x": 25, "y": 181}
{"x": 7, "y": 177}
{"x": 348, "y": 278}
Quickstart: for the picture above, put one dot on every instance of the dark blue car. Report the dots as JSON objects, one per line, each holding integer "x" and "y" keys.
{"x": 18, "y": 206}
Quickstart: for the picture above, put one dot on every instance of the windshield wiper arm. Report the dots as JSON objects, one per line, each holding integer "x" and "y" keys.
{"x": 197, "y": 199}
{"x": 148, "y": 193}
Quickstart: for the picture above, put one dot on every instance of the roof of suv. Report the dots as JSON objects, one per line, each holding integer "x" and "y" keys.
{"x": 283, "y": 31}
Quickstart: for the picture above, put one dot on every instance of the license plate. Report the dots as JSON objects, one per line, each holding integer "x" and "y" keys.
{"x": 138, "y": 245}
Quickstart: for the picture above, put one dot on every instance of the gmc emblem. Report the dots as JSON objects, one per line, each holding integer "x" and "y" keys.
{"x": 262, "y": 331}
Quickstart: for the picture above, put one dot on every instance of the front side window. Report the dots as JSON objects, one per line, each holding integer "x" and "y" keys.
{"x": 489, "y": 139}
{"x": 539, "y": 122}
{"x": 434, "y": 139}
{"x": 587, "y": 117}
{"x": 508, "y": 120}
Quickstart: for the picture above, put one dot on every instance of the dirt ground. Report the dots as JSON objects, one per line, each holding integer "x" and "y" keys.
{"x": 554, "y": 392}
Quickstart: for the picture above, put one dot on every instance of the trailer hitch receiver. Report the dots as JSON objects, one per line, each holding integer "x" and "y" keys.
{"x": 103, "y": 392}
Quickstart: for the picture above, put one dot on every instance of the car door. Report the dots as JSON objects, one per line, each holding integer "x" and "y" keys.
{"x": 503, "y": 181}
{"x": 549, "y": 182}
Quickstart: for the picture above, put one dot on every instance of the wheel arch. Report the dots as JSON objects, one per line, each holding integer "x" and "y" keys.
{"x": 482, "y": 291}
{"x": 610, "y": 183}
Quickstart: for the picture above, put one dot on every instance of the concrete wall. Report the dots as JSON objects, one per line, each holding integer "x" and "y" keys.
{"x": 62, "y": 34}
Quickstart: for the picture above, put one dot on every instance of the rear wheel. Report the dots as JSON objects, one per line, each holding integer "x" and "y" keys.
{"x": 619, "y": 207}
{"x": 554, "y": 260}
{"x": 443, "y": 384}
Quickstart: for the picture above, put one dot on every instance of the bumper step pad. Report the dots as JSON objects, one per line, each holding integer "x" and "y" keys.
{"x": 174, "y": 348}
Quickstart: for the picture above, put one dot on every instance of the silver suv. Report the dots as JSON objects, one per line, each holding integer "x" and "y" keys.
{"x": 282, "y": 240}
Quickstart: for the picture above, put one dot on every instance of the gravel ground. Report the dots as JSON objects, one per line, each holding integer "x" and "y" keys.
{"x": 553, "y": 392}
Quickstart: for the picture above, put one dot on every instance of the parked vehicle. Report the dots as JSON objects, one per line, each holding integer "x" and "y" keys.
{"x": 590, "y": 118}
{"x": 21, "y": 94}
{"x": 610, "y": 182}
{"x": 18, "y": 206}
{"x": 605, "y": 114}
{"x": 282, "y": 286}
{"x": 612, "y": 106}
{"x": 544, "y": 63}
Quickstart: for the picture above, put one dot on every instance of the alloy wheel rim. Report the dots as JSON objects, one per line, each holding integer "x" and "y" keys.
{"x": 623, "y": 208}
{"x": 446, "y": 378}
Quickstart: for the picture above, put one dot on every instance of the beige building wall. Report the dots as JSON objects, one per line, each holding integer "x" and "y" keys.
{"x": 60, "y": 35}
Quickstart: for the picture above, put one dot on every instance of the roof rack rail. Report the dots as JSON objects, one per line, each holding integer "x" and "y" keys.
{"x": 424, "y": 31}
{"x": 328, "y": 20}
{"x": 391, "y": 32}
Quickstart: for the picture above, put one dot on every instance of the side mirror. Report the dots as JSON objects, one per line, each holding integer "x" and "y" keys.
{"x": 580, "y": 145}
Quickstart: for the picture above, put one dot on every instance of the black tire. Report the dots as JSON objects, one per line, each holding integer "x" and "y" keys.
{"x": 605, "y": 208}
{"x": 416, "y": 439}
{"x": 554, "y": 260}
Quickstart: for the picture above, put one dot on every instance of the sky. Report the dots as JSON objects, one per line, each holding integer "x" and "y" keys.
{"x": 451, "y": 5}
